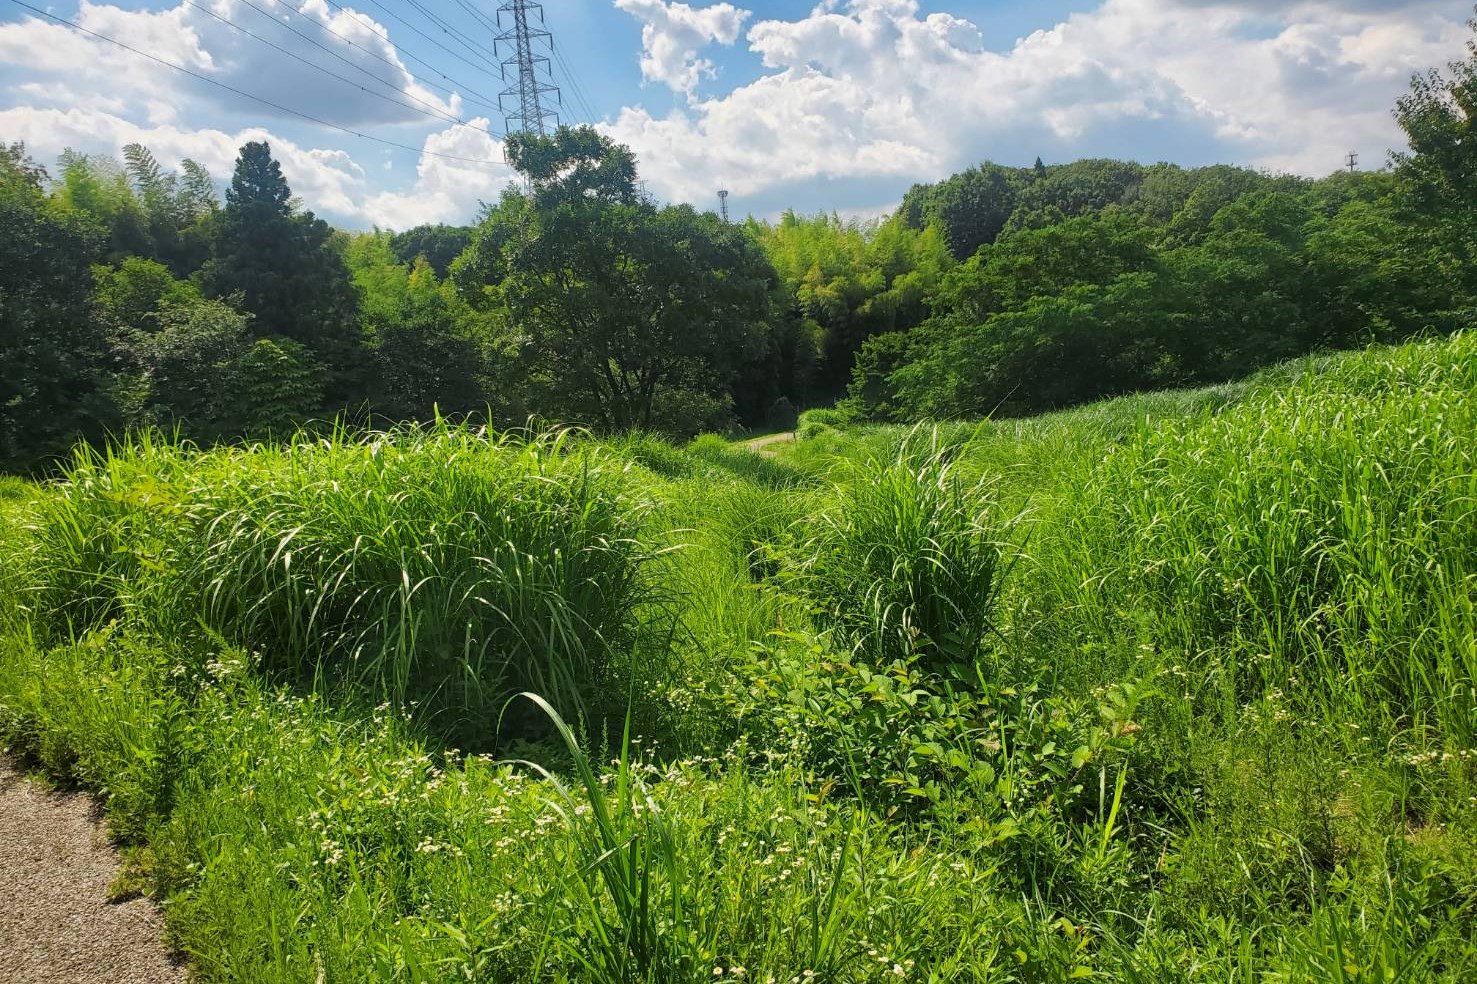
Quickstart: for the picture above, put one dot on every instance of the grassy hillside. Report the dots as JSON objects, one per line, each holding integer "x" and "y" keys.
{"x": 1179, "y": 687}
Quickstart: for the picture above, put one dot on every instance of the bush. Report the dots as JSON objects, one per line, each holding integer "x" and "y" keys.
{"x": 827, "y": 416}
{"x": 782, "y": 415}
{"x": 433, "y": 566}
{"x": 904, "y": 738}
{"x": 907, "y": 560}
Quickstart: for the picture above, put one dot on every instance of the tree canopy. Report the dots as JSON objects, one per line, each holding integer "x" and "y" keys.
{"x": 130, "y": 296}
{"x": 627, "y": 314}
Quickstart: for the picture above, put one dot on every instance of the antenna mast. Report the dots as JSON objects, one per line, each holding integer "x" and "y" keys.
{"x": 1352, "y": 160}
{"x": 723, "y": 205}
{"x": 530, "y": 90}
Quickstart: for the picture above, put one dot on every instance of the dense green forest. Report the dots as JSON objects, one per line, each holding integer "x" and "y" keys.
{"x": 132, "y": 297}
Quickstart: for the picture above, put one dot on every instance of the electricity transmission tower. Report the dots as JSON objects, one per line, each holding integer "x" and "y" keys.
{"x": 530, "y": 90}
{"x": 723, "y": 205}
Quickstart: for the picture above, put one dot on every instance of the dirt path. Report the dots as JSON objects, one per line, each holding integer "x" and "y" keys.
{"x": 56, "y": 925}
{"x": 759, "y": 446}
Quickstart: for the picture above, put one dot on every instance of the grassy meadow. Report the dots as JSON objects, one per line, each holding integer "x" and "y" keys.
{"x": 1177, "y": 687}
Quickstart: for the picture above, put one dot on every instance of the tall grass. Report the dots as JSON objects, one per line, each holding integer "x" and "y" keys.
{"x": 107, "y": 529}
{"x": 645, "y": 918}
{"x": 15, "y": 497}
{"x": 1174, "y": 688}
{"x": 1320, "y": 537}
{"x": 438, "y": 567}
{"x": 908, "y": 557}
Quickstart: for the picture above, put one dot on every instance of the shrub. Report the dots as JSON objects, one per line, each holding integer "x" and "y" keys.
{"x": 907, "y": 559}
{"x": 827, "y": 416}
{"x": 904, "y": 738}
{"x": 782, "y": 415}
{"x": 433, "y": 566}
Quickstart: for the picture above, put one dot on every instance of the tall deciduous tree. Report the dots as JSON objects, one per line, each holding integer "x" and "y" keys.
{"x": 431, "y": 351}
{"x": 1439, "y": 117}
{"x": 438, "y": 245}
{"x": 971, "y": 208}
{"x": 626, "y": 314}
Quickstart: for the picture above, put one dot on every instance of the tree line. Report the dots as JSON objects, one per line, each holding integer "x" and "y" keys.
{"x": 132, "y": 296}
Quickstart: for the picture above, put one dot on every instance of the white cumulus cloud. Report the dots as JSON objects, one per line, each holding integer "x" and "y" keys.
{"x": 94, "y": 96}
{"x": 876, "y": 93}
{"x": 846, "y": 104}
{"x": 328, "y": 179}
{"x": 359, "y": 77}
{"x": 672, "y": 35}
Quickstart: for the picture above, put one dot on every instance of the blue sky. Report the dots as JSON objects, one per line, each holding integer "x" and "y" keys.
{"x": 829, "y": 105}
{"x": 601, "y": 43}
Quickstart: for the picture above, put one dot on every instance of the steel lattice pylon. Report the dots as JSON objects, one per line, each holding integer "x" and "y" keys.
{"x": 530, "y": 90}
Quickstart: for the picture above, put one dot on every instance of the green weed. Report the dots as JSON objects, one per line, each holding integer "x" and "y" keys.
{"x": 1179, "y": 687}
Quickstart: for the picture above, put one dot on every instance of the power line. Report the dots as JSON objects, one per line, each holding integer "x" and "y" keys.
{"x": 565, "y": 70}
{"x": 456, "y": 36}
{"x": 478, "y": 16}
{"x": 460, "y": 87}
{"x": 567, "y": 73}
{"x": 246, "y": 95}
{"x": 396, "y": 17}
{"x": 491, "y": 58}
{"x": 323, "y": 47}
{"x": 435, "y": 114}
{"x": 574, "y": 83}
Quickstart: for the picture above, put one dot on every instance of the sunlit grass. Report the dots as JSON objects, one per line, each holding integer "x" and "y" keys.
{"x": 1179, "y": 687}
{"x": 441, "y": 567}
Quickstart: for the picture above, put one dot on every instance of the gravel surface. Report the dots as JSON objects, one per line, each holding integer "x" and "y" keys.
{"x": 56, "y": 925}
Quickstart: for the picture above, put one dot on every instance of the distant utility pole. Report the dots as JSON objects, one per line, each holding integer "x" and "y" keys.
{"x": 530, "y": 90}
{"x": 1352, "y": 160}
{"x": 723, "y": 205}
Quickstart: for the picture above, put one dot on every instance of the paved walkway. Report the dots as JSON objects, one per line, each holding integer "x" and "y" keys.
{"x": 56, "y": 925}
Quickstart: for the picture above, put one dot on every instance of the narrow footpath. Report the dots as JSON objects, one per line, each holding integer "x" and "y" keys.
{"x": 759, "y": 446}
{"x": 56, "y": 924}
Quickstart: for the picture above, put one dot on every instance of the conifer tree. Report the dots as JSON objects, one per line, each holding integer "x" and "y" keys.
{"x": 283, "y": 266}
